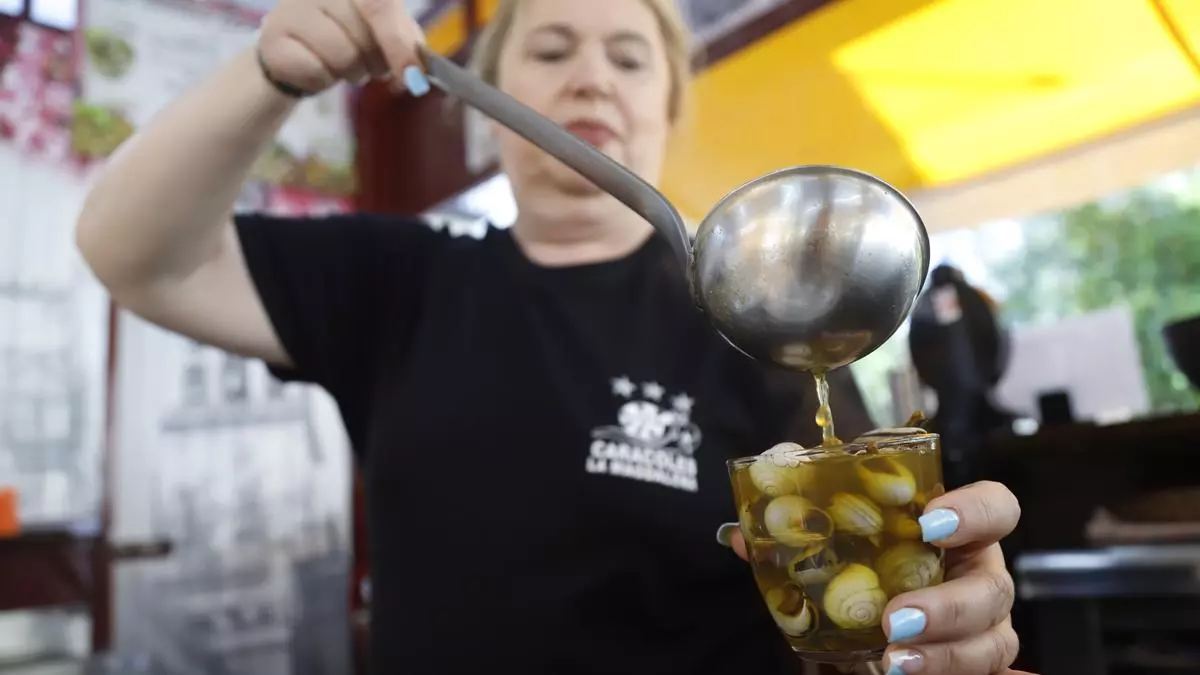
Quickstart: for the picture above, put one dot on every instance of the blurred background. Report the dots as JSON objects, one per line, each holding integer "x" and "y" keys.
{"x": 168, "y": 508}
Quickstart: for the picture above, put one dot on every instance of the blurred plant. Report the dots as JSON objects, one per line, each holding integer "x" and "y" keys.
{"x": 1140, "y": 249}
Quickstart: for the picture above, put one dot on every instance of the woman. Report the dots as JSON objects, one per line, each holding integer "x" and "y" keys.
{"x": 541, "y": 416}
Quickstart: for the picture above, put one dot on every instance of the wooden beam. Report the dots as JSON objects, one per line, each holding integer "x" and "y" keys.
{"x": 754, "y": 30}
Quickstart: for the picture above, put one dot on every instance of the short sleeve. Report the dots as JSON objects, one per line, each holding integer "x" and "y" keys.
{"x": 791, "y": 407}
{"x": 336, "y": 288}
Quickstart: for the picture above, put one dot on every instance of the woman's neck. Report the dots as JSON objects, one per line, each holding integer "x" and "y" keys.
{"x": 579, "y": 230}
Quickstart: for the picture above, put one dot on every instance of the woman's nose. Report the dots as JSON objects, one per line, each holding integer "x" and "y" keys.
{"x": 591, "y": 75}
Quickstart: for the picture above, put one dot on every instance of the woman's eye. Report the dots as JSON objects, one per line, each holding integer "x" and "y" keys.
{"x": 627, "y": 57}
{"x": 628, "y": 62}
{"x": 550, "y": 55}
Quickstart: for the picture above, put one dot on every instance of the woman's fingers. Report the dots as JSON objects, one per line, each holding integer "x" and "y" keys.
{"x": 396, "y": 33}
{"x": 954, "y": 610}
{"x": 327, "y": 40}
{"x": 987, "y": 653}
{"x": 980, "y": 514}
{"x": 729, "y": 534}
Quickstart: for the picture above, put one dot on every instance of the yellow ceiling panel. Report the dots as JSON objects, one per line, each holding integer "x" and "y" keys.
{"x": 1011, "y": 80}
{"x": 446, "y": 33}
{"x": 929, "y": 92}
{"x": 782, "y": 102}
{"x": 1185, "y": 15}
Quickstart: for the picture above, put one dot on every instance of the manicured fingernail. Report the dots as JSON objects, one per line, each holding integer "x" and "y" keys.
{"x": 938, "y": 524}
{"x": 725, "y": 534}
{"x": 415, "y": 81}
{"x": 903, "y": 662}
{"x": 905, "y": 624}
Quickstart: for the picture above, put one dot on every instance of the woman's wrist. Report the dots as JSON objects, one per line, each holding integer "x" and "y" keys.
{"x": 252, "y": 77}
{"x": 286, "y": 89}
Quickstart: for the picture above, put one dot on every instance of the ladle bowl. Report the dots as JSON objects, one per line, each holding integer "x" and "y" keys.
{"x": 809, "y": 268}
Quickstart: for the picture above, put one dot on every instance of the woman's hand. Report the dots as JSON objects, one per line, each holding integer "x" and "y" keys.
{"x": 310, "y": 45}
{"x": 961, "y": 627}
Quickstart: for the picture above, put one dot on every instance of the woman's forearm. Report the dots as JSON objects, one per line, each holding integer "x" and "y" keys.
{"x": 158, "y": 208}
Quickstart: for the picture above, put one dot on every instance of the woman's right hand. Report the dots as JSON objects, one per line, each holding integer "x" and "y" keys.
{"x": 313, "y": 44}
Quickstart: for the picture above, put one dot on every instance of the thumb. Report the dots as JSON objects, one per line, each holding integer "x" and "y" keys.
{"x": 730, "y": 535}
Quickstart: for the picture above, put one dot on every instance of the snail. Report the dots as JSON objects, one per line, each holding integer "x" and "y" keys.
{"x": 923, "y": 498}
{"x": 908, "y": 566}
{"x": 794, "y": 521}
{"x": 886, "y": 481}
{"x": 815, "y": 568}
{"x": 901, "y": 525}
{"x": 855, "y": 514}
{"x": 778, "y": 471}
{"x": 750, "y": 526}
{"x": 792, "y": 610}
{"x": 854, "y": 600}
{"x": 770, "y": 554}
{"x": 853, "y": 548}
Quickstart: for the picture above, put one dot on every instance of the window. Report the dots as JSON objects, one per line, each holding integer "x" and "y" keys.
{"x": 711, "y": 19}
{"x": 60, "y": 14}
{"x": 56, "y": 14}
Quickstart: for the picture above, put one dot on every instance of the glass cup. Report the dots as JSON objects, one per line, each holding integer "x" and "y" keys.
{"x": 832, "y": 536}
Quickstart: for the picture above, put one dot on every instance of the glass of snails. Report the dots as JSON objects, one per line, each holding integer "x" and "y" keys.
{"x": 832, "y": 536}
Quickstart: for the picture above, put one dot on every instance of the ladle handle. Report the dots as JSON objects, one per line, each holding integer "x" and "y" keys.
{"x": 594, "y": 165}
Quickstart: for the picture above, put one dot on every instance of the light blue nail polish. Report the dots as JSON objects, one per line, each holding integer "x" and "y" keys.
{"x": 902, "y": 661}
{"x": 938, "y": 524}
{"x": 725, "y": 534}
{"x": 905, "y": 624}
{"x": 415, "y": 81}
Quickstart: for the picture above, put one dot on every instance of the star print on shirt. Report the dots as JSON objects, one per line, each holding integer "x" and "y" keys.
{"x": 649, "y": 442}
{"x": 683, "y": 403}
{"x": 653, "y": 391}
{"x": 623, "y": 386}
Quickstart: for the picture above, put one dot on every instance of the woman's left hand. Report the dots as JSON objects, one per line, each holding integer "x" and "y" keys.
{"x": 961, "y": 627}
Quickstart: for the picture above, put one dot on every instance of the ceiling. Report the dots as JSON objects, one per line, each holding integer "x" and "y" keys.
{"x": 938, "y": 97}
{"x": 932, "y": 93}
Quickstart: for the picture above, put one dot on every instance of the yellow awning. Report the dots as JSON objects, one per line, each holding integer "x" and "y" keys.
{"x": 949, "y": 100}
{"x": 931, "y": 93}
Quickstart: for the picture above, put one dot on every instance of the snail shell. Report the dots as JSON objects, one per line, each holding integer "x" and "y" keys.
{"x": 854, "y": 600}
{"x": 923, "y": 498}
{"x": 793, "y": 611}
{"x": 886, "y": 481}
{"x": 771, "y": 554}
{"x": 752, "y": 528}
{"x": 773, "y": 475}
{"x": 908, "y": 566}
{"x": 901, "y": 525}
{"x": 794, "y": 521}
{"x": 855, "y": 514}
{"x": 816, "y": 568}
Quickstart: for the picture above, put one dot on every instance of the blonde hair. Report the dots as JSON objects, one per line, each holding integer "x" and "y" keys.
{"x": 485, "y": 55}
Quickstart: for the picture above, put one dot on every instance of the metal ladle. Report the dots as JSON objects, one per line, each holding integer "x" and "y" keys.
{"x": 810, "y": 268}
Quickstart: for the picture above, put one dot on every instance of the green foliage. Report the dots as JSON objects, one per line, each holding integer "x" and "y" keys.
{"x": 1141, "y": 249}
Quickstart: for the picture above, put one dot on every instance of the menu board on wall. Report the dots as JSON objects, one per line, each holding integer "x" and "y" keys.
{"x": 142, "y": 54}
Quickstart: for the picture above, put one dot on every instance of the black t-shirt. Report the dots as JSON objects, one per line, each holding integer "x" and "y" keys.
{"x": 543, "y": 449}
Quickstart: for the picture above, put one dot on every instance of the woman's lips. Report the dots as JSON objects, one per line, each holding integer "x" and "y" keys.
{"x": 595, "y": 134}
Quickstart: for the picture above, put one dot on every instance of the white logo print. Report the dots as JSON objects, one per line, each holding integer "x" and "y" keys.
{"x": 649, "y": 442}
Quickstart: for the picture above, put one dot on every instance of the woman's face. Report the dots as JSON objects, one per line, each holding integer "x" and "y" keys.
{"x": 597, "y": 68}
